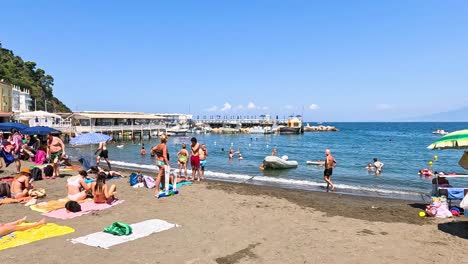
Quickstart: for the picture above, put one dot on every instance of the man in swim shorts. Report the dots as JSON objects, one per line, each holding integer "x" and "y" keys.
{"x": 330, "y": 163}
{"x": 55, "y": 152}
{"x": 103, "y": 153}
{"x": 195, "y": 158}
{"x": 203, "y": 154}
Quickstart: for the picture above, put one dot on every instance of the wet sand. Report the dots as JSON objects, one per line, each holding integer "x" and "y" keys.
{"x": 240, "y": 223}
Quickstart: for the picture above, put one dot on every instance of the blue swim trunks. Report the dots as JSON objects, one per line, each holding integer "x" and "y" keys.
{"x": 202, "y": 163}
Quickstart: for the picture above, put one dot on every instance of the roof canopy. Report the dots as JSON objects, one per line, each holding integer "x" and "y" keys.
{"x": 115, "y": 115}
{"x": 38, "y": 114}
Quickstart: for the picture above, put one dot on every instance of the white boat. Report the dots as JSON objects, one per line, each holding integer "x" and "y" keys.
{"x": 316, "y": 162}
{"x": 440, "y": 132}
{"x": 274, "y": 162}
{"x": 260, "y": 130}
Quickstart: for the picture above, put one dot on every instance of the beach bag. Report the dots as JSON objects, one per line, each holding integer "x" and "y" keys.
{"x": 37, "y": 193}
{"x": 149, "y": 181}
{"x": 7, "y": 157}
{"x": 135, "y": 178}
{"x": 48, "y": 171}
{"x": 119, "y": 229}
{"x": 36, "y": 174}
{"x": 5, "y": 189}
{"x": 463, "y": 162}
{"x": 464, "y": 202}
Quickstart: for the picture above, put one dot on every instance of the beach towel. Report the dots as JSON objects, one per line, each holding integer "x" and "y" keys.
{"x": 455, "y": 193}
{"x": 139, "y": 230}
{"x": 51, "y": 205}
{"x": 86, "y": 208}
{"x": 20, "y": 238}
{"x": 40, "y": 157}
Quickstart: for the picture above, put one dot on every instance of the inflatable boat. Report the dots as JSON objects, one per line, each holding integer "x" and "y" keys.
{"x": 274, "y": 162}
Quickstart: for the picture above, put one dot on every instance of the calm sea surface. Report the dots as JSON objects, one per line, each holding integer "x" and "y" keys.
{"x": 400, "y": 146}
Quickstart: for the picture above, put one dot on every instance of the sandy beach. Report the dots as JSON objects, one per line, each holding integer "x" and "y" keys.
{"x": 239, "y": 223}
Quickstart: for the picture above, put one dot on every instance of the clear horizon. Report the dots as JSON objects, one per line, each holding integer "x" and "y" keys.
{"x": 338, "y": 61}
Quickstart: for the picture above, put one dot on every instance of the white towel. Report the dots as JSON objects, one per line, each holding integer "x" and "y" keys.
{"x": 139, "y": 230}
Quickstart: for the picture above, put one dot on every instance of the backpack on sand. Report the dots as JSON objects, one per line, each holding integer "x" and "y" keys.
{"x": 36, "y": 174}
{"x": 5, "y": 189}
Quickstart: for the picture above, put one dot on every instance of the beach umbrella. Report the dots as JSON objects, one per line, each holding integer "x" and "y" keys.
{"x": 454, "y": 140}
{"x": 89, "y": 139}
{"x": 8, "y": 126}
{"x": 39, "y": 130}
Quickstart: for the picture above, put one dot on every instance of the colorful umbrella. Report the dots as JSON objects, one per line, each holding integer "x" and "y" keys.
{"x": 454, "y": 140}
{"x": 90, "y": 138}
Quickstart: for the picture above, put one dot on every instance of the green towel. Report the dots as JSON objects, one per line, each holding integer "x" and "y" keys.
{"x": 119, "y": 229}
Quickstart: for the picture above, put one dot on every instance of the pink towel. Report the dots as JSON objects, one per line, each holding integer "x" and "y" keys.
{"x": 86, "y": 208}
{"x": 40, "y": 157}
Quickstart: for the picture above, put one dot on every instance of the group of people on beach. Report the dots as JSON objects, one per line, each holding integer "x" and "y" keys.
{"x": 197, "y": 157}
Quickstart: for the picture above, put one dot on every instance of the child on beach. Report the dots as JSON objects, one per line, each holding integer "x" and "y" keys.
{"x": 182, "y": 157}
{"x": 101, "y": 192}
{"x": 8, "y": 228}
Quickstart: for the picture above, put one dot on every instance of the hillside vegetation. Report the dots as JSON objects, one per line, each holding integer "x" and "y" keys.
{"x": 15, "y": 71}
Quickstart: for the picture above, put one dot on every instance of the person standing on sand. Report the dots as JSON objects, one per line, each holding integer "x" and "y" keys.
{"x": 103, "y": 153}
{"x": 182, "y": 157}
{"x": 195, "y": 158}
{"x": 55, "y": 152}
{"x": 203, "y": 154}
{"x": 162, "y": 162}
{"x": 330, "y": 163}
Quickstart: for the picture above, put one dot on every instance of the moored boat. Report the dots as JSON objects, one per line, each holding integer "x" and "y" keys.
{"x": 274, "y": 162}
{"x": 294, "y": 126}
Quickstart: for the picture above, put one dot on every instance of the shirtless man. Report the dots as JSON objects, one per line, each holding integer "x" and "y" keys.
{"x": 274, "y": 151}
{"x": 330, "y": 163}
{"x": 55, "y": 152}
{"x": 203, "y": 153}
{"x": 103, "y": 154}
{"x": 195, "y": 158}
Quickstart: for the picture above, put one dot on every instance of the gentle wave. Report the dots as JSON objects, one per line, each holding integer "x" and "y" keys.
{"x": 269, "y": 180}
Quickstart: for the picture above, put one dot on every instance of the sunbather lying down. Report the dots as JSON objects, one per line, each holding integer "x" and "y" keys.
{"x": 8, "y": 228}
{"x": 110, "y": 173}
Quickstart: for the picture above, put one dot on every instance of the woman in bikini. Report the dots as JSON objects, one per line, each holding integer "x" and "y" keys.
{"x": 182, "y": 157}
{"x": 101, "y": 192}
{"x": 162, "y": 161}
{"x": 21, "y": 184}
{"x": 8, "y": 228}
{"x": 75, "y": 185}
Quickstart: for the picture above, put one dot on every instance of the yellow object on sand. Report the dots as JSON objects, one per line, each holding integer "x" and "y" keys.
{"x": 422, "y": 214}
{"x": 20, "y": 238}
{"x": 50, "y": 206}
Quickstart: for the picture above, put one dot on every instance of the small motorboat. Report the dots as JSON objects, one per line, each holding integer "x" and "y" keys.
{"x": 274, "y": 162}
{"x": 316, "y": 162}
{"x": 440, "y": 132}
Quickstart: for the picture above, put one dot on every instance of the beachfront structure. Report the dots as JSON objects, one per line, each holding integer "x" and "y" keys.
{"x": 116, "y": 123}
{"x": 21, "y": 100}
{"x": 40, "y": 118}
{"x": 6, "y": 91}
{"x": 176, "y": 118}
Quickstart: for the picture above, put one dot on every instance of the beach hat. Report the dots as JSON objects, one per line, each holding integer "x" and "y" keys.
{"x": 26, "y": 170}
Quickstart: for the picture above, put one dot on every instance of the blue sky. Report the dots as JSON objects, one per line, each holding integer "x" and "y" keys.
{"x": 330, "y": 60}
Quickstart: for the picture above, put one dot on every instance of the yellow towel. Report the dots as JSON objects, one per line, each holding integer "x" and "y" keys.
{"x": 20, "y": 238}
{"x": 51, "y": 205}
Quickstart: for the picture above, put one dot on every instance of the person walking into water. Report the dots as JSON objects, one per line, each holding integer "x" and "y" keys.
{"x": 330, "y": 163}
{"x": 103, "y": 153}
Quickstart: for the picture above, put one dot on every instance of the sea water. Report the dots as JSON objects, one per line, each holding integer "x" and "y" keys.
{"x": 402, "y": 147}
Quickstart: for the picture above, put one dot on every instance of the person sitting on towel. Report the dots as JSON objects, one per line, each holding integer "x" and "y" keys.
{"x": 21, "y": 184}
{"x": 77, "y": 188}
{"x": 101, "y": 192}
